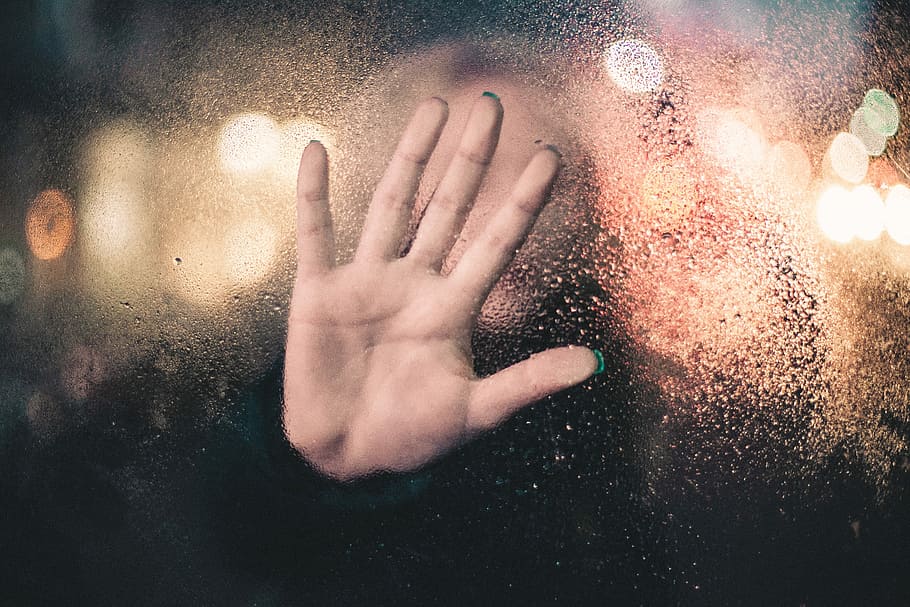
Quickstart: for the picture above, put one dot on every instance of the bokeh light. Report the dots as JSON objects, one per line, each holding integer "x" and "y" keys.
{"x": 249, "y": 250}
{"x": 249, "y": 144}
{"x": 868, "y": 212}
{"x": 789, "y": 166}
{"x": 670, "y": 196}
{"x": 880, "y": 112}
{"x": 49, "y": 224}
{"x": 295, "y": 135}
{"x": 848, "y": 158}
{"x": 12, "y": 275}
{"x": 874, "y": 141}
{"x": 634, "y": 66}
{"x": 113, "y": 224}
{"x": 897, "y": 214}
{"x": 834, "y": 214}
{"x": 735, "y": 139}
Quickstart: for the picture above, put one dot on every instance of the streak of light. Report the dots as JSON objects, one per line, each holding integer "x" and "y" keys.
{"x": 848, "y": 158}
{"x": 49, "y": 224}
{"x": 868, "y": 212}
{"x": 897, "y": 214}
{"x": 634, "y": 66}
{"x": 834, "y": 214}
{"x": 874, "y": 141}
{"x": 880, "y": 112}
{"x": 670, "y": 195}
{"x": 249, "y": 144}
{"x": 12, "y": 275}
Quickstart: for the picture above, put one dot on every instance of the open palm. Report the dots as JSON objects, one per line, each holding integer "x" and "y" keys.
{"x": 379, "y": 373}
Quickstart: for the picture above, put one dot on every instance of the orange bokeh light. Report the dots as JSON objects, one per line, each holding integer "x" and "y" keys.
{"x": 50, "y": 224}
{"x": 670, "y": 196}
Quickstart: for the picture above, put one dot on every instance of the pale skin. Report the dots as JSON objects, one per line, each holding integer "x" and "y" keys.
{"x": 379, "y": 372}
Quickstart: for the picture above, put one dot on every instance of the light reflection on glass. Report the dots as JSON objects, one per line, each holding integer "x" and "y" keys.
{"x": 874, "y": 141}
{"x": 834, "y": 214}
{"x": 848, "y": 158}
{"x": 789, "y": 166}
{"x": 634, "y": 66}
{"x": 49, "y": 224}
{"x": 670, "y": 195}
{"x": 249, "y": 144}
{"x": 897, "y": 214}
{"x": 868, "y": 212}
{"x": 880, "y": 112}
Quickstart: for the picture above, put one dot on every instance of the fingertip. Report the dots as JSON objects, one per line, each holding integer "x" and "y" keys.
{"x": 437, "y": 106}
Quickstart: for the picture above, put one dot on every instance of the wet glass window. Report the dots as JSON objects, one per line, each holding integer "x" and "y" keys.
{"x": 730, "y": 228}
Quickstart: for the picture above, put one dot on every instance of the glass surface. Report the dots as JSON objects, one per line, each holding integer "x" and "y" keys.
{"x": 731, "y": 229}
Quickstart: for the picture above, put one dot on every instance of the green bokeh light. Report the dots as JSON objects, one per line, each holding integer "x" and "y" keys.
{"x": 880, "y": 112}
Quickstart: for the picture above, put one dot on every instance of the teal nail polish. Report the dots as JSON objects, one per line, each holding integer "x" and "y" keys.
{"x": 315, "y": 141}
{"x": 491, "y": 95}
{"x": 600, "y": 362}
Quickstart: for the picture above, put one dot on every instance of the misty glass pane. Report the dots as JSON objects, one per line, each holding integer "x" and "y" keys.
{"x": 731, "y": 228}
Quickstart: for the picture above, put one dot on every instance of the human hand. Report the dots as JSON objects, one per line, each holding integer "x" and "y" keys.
{"x": 378, "y": 370}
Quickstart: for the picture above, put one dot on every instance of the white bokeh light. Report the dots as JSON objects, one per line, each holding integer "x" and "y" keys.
{"x": 634, "y": 66}
{"x": 848, "y": 157}
{"x": 834, "y": 214}
{"x": 868, "y": 212}
{"x": 249, "y": 144}
{"x": 897, "y": 214}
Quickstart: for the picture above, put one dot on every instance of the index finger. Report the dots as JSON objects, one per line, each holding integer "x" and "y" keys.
{"x": 315, "y": 240}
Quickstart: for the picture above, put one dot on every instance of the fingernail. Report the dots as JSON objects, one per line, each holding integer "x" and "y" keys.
{"x": 491, "y": 95}
{"x": 553, "y": 149}
{"x": 600, "y": 362}
{"x": 315, "y": 141}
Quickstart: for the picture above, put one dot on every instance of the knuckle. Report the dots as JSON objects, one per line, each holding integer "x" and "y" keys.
{"x": 474, "y": 157}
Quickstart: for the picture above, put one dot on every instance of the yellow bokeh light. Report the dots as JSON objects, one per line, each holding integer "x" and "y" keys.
{"x": 634, "y": 66}
{"x": 210, "y": 267}
{"x": 897, "y": 214}
{"x": 868, "y": 212}
{"x": 249, "y": 144}
{"x": 834, "y": 214}
{"x": 848, "y": 157}
{"x": 295, "y": 135}
{"x": 49, "y": 224}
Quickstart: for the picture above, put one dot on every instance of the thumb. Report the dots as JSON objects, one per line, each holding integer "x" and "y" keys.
{"x": 498, "y": 396}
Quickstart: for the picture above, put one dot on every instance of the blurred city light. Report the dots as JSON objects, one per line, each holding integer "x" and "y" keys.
{"x": 670, "y": 195}
{"x": 114, "y": 225}
{"x": 874, "y": 141}
{"x": 295, "y": 135}
{"x": 49, "y": 224}
{"x": 249, "y": 249}
{"x": 834, "y": 214}
{"x": 868, "y": 212}
{"x": 789, "y": 166}
{"x": 735, "y": 140}
{"x": 848, "y": 158}
{"x": 12, "y": 275}
{"x": 880, "y": 112}
{"x": 897, "y": 214}
{"x": 249, "y": 144}
{"x": 634, "y": 66}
